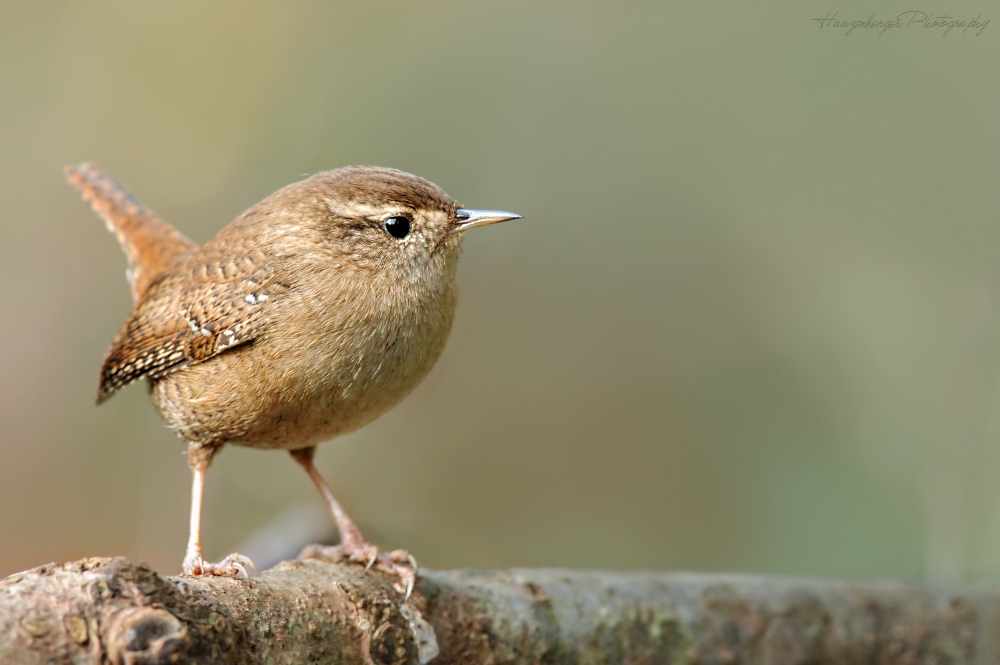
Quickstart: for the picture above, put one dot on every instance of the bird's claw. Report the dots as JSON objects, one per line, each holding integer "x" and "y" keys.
{"x": 233, "y": 565}
{"x": 409, "y": 577}
{"x": 241, "y": 563}
{"x": 399, "y": 563}
{"x": 402, "y": 556}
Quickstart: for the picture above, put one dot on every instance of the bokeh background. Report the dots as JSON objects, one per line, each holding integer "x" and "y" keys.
{"x": 751, "y": 320}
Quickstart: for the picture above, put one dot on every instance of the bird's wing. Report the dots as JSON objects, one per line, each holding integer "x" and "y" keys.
{"x": 180, "y": 325}
{"x": 152, "y": 247}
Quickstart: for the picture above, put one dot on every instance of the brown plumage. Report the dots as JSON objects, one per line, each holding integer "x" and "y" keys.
{"x": 310, "y": 315}
{"x": 152, "y": 247}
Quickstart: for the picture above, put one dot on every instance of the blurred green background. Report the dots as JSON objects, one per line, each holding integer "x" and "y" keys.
{"x": 750, "y": 321}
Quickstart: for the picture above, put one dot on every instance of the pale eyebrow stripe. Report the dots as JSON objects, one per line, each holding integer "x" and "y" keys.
{"x": 357, "y": 209}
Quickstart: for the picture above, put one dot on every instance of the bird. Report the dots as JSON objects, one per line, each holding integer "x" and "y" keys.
{"x": 310, "y": 315}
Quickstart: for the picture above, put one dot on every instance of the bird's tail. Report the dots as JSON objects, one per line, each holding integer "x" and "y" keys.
{"x": 152, "y": 247}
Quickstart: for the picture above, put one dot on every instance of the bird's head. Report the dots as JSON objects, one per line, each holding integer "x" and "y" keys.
{"x": 393, "y": 222}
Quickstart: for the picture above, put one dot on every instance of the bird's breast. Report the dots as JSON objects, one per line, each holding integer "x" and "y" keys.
{"x": 353, "y": 362}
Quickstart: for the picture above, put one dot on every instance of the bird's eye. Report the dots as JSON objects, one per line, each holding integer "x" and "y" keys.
{"x": 398, "y": 226}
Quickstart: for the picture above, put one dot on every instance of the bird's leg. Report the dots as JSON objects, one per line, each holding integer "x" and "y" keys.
{"x": 353, "y": 546}
{"x": 194, "y": 564}
{"x": 350, "y": 535}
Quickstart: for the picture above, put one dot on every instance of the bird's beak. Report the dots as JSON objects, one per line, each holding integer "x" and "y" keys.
{"x": 469, "y": 219}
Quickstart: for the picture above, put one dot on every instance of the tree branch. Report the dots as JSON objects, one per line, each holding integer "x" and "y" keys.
{"x": 119, "y": 611}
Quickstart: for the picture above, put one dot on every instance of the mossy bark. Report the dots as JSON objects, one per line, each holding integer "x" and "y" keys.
{"x": 119, "y": 611}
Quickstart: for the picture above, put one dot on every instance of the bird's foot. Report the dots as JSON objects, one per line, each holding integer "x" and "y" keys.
{"x": 399, "y": 563}
{"x": 233, "y": 565}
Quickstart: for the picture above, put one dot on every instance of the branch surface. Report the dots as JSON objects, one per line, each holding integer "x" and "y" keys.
{"x": 120, "y": 611}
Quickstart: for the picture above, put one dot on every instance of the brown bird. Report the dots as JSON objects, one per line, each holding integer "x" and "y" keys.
{"x": 310, "y": 315}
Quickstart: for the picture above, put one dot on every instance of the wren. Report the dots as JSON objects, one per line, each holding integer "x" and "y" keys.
{"x": 310, "y": 315}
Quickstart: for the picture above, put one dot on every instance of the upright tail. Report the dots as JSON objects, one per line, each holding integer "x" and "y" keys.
{"x": 152, "y": 247}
